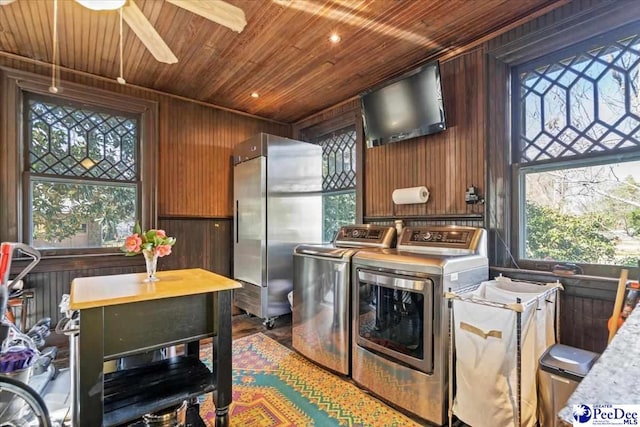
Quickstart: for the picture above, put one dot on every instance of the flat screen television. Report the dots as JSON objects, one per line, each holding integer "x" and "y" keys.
{"x": 406, "y": 107}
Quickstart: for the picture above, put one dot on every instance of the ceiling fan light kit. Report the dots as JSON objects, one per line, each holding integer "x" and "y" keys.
{"x": 102, "y": 4}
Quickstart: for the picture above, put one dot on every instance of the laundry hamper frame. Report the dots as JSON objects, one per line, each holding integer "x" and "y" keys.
{"x": 518, "y": 306}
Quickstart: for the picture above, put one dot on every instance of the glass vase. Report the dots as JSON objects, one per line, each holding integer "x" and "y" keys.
{"x": 151, "y": 261}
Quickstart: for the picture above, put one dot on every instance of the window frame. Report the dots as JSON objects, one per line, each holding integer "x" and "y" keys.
{"x": 341, "y": 121}
{"x": 323, "y": 137}
{"x": 30, "y": 177}
{"x": 519, "y": 170}
{"x": 14, "y": 225}
{"x": 318, "y": 139}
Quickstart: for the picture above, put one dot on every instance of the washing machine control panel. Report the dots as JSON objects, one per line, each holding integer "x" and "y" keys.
{"x": 366, "y": 235}
{"x": 458, "y": 238}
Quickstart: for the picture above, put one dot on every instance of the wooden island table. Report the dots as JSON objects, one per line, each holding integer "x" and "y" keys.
{"x": 122, "y": 315}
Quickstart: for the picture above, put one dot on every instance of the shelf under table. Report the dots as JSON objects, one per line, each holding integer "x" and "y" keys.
{"x": 131, "y": 393}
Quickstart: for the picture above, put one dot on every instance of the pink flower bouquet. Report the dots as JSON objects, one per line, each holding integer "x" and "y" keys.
{"x": 154, "y": 241}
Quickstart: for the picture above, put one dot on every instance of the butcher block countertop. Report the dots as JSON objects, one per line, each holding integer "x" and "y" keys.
{"x": 101, "y": 291}
{"x": 615, "y": 378}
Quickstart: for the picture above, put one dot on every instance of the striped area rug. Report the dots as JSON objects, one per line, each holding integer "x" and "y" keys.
{"x": 274, "y": 386}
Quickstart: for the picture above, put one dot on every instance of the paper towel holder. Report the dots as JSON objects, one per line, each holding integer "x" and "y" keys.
{"x": 410, "y": 195}
{"x": 420, "y": 193}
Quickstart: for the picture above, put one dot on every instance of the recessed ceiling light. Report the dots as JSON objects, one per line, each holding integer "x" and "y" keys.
{"x": 255, "y": 95}
{"x": 334, "y": 38}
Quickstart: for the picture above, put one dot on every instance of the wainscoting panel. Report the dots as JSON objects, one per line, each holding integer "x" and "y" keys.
{"x": 51, "y": 285}
{"x": 583, "y": 322}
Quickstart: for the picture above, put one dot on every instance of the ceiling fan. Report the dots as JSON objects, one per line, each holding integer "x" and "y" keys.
{"x": 217, "y": 11}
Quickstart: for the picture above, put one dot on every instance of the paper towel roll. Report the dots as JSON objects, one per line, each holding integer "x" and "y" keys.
{"x": 406, "y": 196}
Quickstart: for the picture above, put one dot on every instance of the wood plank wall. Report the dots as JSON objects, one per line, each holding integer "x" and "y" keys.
{"x": 195, "y": 165}
{"x": 446, "y": 163}
{"x": 576, "y": 21}
{"x": 195, "y": 143}
{"x": 194, "y": 189}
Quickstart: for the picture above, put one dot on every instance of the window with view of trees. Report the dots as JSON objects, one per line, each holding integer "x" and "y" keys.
{"x": 338, "y": 180}
{"x": 82, "y": 174}
{"x": 576, "y": 154}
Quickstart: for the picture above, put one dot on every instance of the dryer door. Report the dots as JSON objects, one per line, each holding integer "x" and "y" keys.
{"x": 395, "y": 317}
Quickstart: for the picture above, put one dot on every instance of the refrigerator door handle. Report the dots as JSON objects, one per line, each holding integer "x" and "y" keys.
{"x": 237, "y": 225}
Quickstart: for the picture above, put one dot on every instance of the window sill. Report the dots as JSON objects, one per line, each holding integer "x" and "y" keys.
{"x": 51, "y": 263}
{"x": 598, "y": 287}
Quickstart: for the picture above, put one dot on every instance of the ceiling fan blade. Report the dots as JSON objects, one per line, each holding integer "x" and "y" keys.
{"x": 4, "y": 2}
{"x": 217, "y": 11}
{"x": 148, "y": 35}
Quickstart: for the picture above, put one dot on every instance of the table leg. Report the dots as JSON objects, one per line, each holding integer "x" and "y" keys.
{"x": 222, "y": 366}
{"x": 192, "y": 348}
{"x": 88, "y": 388}
{"x": 193, "y": 418}
{"x": 222, "y": 417}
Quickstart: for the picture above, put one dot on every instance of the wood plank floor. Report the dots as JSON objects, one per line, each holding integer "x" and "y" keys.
{"x": 244, "y": 325}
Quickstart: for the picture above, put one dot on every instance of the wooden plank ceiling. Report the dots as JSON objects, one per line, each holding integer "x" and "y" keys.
{"x": 283, "y": 53}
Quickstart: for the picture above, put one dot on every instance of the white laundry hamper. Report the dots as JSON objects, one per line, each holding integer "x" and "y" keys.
{"x": 501, "y": 328}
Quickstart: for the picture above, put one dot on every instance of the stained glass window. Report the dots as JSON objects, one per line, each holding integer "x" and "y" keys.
{"x": 83, "y": 172}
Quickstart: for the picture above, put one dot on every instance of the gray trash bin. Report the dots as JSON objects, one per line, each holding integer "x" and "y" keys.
{"x": 561, "y": 369}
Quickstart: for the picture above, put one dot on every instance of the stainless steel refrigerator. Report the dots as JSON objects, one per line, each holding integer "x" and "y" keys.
{"x": 277, "y": 187}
